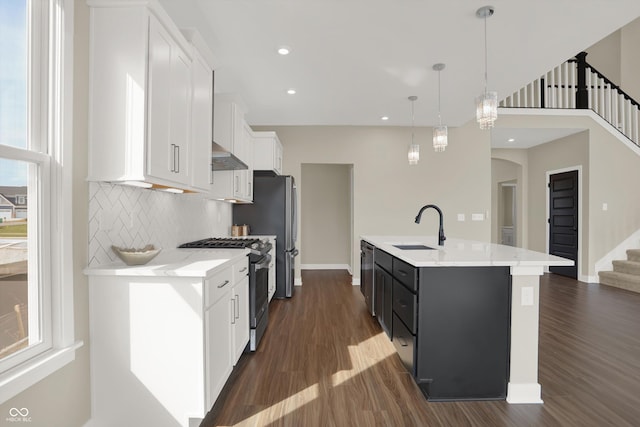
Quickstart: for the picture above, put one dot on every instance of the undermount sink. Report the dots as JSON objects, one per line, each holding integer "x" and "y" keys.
{"x": 413, "y": 247}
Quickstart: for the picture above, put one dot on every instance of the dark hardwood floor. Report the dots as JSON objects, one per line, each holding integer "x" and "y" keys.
{"x": 324, "y": 361}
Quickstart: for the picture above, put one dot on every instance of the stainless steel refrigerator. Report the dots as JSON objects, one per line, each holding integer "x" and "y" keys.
{"x": 273, "y": 212}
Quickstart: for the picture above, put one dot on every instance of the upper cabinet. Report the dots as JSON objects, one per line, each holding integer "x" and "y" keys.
{"x": 149, "y": 99}
{"x": 267, "y": 152}
{"x": 168, "y": 106}
{"x": 201, "y": 112}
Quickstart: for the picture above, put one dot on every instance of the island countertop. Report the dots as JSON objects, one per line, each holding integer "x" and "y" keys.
{"x": 461, "y": 253}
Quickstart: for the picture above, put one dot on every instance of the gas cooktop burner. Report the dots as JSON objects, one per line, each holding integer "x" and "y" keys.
{"x": 221, "y": 242}
{"x": 257, "y": 246}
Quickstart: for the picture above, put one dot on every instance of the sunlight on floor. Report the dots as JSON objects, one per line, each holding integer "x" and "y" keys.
{"x": 363, "y": 356}
{"x": 282, "y": 408}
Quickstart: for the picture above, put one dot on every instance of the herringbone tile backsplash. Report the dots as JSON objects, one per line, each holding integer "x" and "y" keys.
{"x": 133, "y": 217}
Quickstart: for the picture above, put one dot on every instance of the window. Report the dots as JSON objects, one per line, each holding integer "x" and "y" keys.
{"x": 36, "y": 300}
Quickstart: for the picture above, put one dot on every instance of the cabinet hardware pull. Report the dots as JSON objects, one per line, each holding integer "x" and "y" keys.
{"x": 402, "y": 304}
{"x": 226, "y": 282}
{"x": 178, "y": 160}
{"x": 233, "y": 313}
{"x": 243, "y": 270}
{"x": 403, "y": 342}
{"x": 173, "y": 157}
{"x": 404, "y": 273}
{"x": 237, "y": 309}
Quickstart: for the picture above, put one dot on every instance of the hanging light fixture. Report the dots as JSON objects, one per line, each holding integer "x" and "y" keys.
{"x": 487, "y": 102}
{"x": 414, "y": 149}
{"x": 439, "y": 132}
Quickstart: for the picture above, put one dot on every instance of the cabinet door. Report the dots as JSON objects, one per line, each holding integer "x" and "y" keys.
{"x": 169, "y": 107}
{"x": 218, "y": 348}
{"x": 240, "y": 318}
{"x": 383, "y": 301}
{"x": 201, "y": 117}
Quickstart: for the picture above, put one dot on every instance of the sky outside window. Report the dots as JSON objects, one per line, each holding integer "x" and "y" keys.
{"x": 13, "y": 86}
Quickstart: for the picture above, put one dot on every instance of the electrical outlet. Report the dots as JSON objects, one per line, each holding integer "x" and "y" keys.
{"x": 461, "y": 217}
{"x": 477, "y": 217}
{"x": 605, "y": 207}
{"x": 526, "y": 298}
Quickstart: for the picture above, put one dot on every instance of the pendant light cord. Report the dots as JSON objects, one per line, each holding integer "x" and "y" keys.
{"x": 412, "y": 120}
{"x": 439, "y": 116}
{"x": 486, "y": 78}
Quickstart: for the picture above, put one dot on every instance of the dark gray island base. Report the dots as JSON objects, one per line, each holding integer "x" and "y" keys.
{"x": 450, "y": 325}
{"x": 464, "y": 316}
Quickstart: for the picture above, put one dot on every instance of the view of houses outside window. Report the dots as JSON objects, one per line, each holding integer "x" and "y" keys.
{"x": 17, "y": 183}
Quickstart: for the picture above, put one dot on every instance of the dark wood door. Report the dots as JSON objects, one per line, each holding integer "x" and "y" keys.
{"x": 563, "y": 220}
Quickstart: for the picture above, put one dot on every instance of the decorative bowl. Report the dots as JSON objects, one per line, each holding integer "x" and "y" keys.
{"x": 132, "y": 256}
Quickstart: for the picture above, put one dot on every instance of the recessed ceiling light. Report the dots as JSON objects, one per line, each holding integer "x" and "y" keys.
{"x": 284, "y": 50}
{"x": 291, "y": 91}
{"x": 384, "y": 118}
{"x": 511, "y": 140}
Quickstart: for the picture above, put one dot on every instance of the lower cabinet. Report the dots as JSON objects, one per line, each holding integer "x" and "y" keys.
{"x": 450, "y": 326}
{"x": 218, "y": 350}
{"x": 239, "y": 299}
{"x": 162, "y": 348}
{"x": 383, "y": 282}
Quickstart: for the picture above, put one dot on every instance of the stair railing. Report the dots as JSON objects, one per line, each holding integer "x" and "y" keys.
{"x": 576, "y": 84}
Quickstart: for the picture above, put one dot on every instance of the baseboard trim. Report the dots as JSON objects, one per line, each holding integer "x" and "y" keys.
{"x": 524, "y": 393}
{"x": 355, "y": 281}
{"x": 325, "y": 267}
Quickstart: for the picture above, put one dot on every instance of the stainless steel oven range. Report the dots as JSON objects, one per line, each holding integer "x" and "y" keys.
{"x": 259, "y": 260}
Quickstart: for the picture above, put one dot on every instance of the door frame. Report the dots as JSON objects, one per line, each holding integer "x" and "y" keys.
{"x": 577, "y": 168}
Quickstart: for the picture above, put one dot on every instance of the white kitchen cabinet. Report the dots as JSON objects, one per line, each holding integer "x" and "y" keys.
{"x": 201, "y": 113}
{"x": 267, "y": 152}
{"x": 169, "y": 106}
{"x": 236, "y": 185}
{"x": 163, "y": 346}
{"x": 243, "y": 184}
{"x": 228, "y": 121}
{"x": 143, "y": 80}
{"x": 240, "y": 310}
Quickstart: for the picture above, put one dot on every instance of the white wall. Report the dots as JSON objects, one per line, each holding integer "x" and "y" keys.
{"x": 326, "y": 208}
{"x": 387, "y": 191}
{"x": 610, "y": 173}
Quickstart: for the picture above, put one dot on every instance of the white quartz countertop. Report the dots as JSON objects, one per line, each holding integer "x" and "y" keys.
{"x": 460, "y": 252}
{"x": 175, "y": 263}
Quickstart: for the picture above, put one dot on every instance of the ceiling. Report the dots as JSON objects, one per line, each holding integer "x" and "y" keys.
{"x": 353, "y": 61}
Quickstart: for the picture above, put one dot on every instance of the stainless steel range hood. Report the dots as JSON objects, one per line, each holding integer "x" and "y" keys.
{"x": 222, "y": 160}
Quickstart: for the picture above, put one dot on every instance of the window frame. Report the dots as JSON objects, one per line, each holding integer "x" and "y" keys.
{"x": 50, "y": 97}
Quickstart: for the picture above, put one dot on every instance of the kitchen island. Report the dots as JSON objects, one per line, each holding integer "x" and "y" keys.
{"x": 462, "y": 316}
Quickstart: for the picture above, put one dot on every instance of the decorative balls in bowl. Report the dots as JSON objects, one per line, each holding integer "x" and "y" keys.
{"x": 132, "y": 256}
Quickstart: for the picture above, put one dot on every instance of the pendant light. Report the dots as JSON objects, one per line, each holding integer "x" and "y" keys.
{"x": 487, "y": 102}
{"x": 439, "y": 132}
{"x": 414, "y": 149}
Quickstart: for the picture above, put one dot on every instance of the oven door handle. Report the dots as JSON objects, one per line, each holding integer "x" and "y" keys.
{"x": 264, "y": 263}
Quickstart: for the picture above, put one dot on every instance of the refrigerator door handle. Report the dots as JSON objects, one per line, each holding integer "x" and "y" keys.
{"x": 294, "y": 253}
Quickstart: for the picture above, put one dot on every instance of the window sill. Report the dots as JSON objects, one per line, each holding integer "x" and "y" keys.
{"x": 27, "y": 374}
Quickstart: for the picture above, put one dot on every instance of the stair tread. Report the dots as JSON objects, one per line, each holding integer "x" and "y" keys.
{"x": 628, "y": 267}
{"x": 617, "y": 274}
{"x": 633, "y": 254}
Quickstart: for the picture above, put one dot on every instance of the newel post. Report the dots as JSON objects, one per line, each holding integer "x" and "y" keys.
{"x": 582, "y": 93}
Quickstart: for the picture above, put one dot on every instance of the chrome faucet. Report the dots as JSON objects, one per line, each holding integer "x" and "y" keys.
{"x": 441, "y": 237}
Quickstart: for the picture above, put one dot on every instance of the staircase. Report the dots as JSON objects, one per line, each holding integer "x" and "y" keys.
{"x": 576, "y": 84}
{"x": 625, "y": 274}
